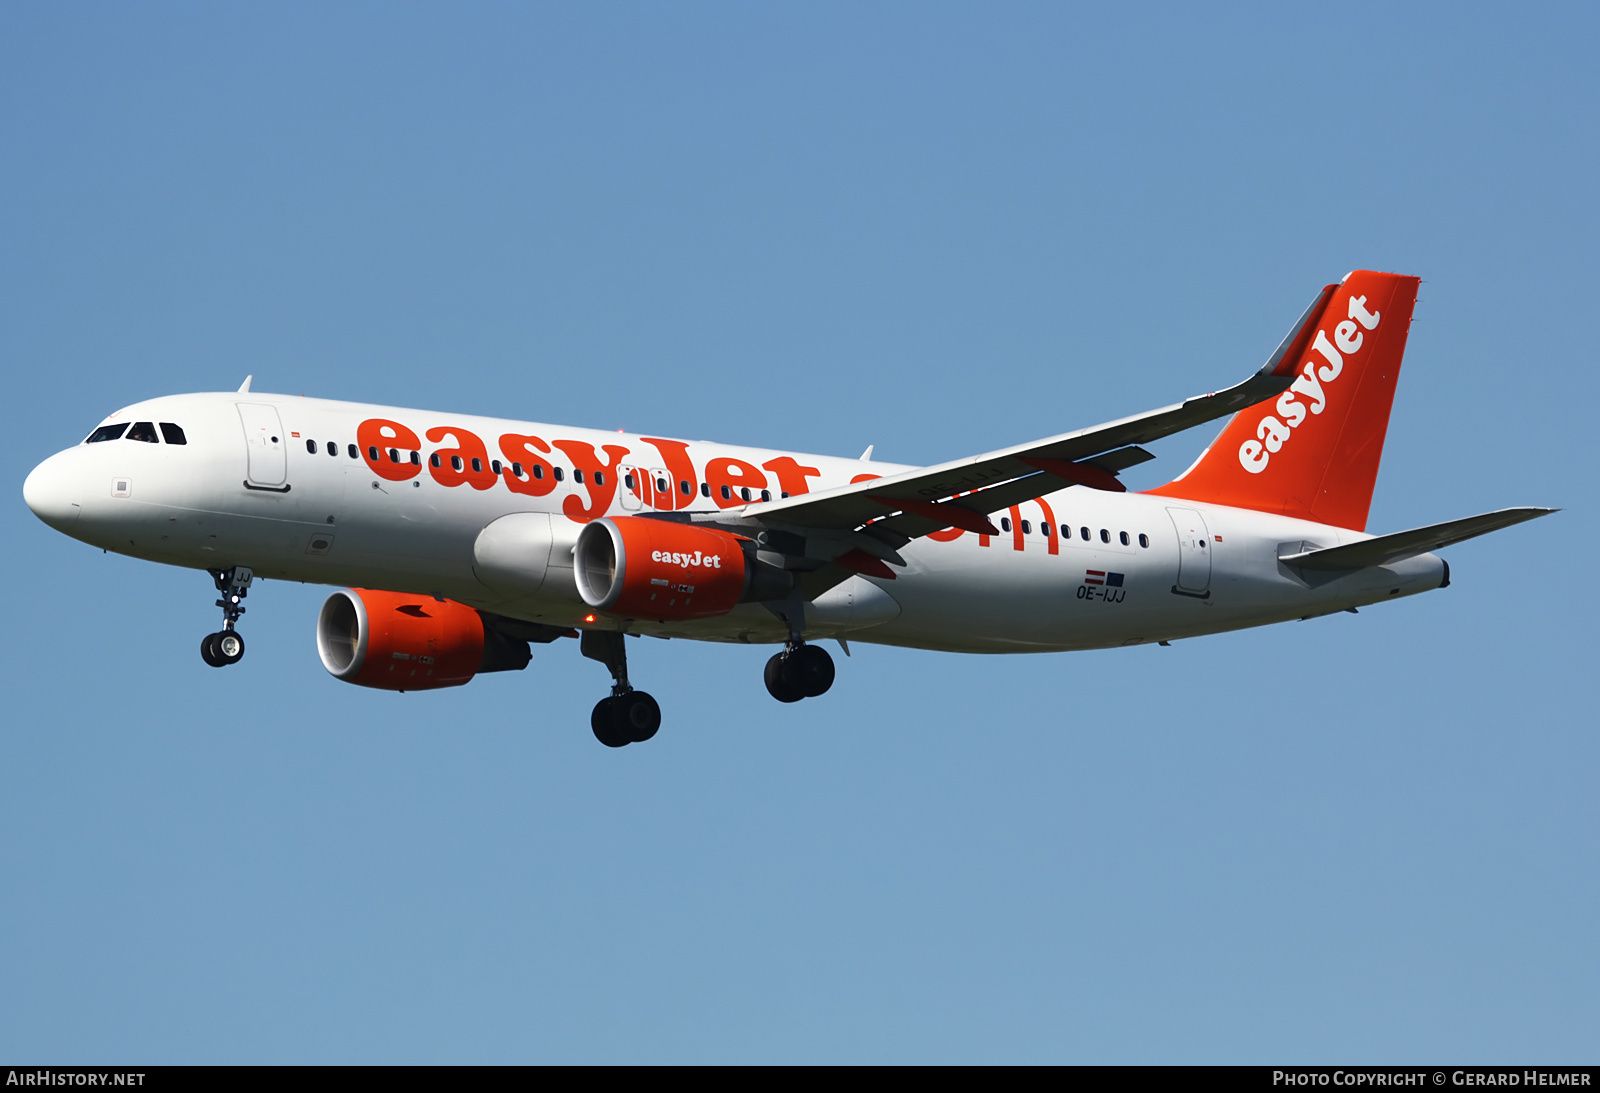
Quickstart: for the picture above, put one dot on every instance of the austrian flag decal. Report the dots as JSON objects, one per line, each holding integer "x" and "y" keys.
{"x": 1102, "y": 585}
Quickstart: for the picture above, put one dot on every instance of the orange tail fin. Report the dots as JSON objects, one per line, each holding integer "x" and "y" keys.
{"x": 1314, "y": 452}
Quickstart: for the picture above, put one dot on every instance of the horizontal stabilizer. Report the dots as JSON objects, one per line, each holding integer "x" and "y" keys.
{"x": 1405, "y": 544}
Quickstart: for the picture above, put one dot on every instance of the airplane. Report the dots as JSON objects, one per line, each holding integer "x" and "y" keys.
{"x": 461, "y": 541}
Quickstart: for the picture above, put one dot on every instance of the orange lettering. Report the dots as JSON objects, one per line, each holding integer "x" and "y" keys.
{"x": 656, "y": 489}
{"x": 792, "y": 474}
{"x": 1054, "y": 536}
{"x": 730, "y": 476}
{"x": 680, "y": 468}
{"x": 600, "y": 479}
{"x": 377, "y": 437}
{"x": 525, "y": 450}
{"x": 468, "y": 463}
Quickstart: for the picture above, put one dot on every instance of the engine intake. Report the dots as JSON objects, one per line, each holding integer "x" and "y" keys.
{"x": 397, "y": 641}
{"x": 659, "y": 569}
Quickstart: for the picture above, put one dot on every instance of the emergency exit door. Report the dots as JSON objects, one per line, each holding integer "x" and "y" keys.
{"x": 267, "y": 465}
{"x": 1194, "y": 553}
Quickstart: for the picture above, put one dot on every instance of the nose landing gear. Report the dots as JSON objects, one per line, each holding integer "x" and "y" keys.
{"x": 226, "y": 646}
{"x": 628, "y": 716}
{"x": 800, "y": 671}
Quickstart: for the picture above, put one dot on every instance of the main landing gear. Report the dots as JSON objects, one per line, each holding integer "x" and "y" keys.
{"x": 226, "y": 646}
{"x": 628, "y": 716}
{"x": 800, "y": 671}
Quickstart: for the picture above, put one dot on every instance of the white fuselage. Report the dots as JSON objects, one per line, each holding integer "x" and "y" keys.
{"x": 219, "y": 500}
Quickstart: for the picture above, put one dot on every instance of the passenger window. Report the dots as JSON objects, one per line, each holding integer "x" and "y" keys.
{"x": 559, "y": 473}
{"x": 1085, "y": 533}
{"x": 333, "y": 448}
{"x": 766, "y": 495}
{"x": 433, "y": 460}
{"x": 354, "y": 452}
{"x": 686, "y": 488}
{"x": 627, "y": 481}
{"x": 1027, "y": 528}
{"x": 1005, "y": 523}
{"x": 172, "y": 434}
{"x": 705, "y": 489}
{"x": 538, "y": 471}
{"x": 599, "y": 478}
{"x": 416, "y": 459}
{"x": 372, "y": 453}
{"x": 744, "y": 493}
{"x": 1105, "y": 536}
{"x": 494, "y": 465}
{"x": 394, "y": 455}
{"x": 107, "y": 432}
{"x": 577, "y": 475}
{"x": 661, "y": 485}
{"x": 1066, "y": 532}
{"x": 516, "y": 469}
{"x": 477, "y": 465}
{"x": 144, "y": 431}
{"x": 1144, "y": 540}
{"x": 1044, "y": 529}
{"x": 311, "y": 447}
{"x": 455, "y": 463}
{"x": 1124, "y": 537}
{"x": 727, "y": 494}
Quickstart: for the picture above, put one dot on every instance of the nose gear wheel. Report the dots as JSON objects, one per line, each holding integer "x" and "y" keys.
{"x": 223, "y": 648}
{"x": 226, "y": 646}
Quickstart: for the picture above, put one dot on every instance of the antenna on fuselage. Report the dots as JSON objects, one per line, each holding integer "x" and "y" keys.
{"x": 244, "y": 388}
{"x": 866, "y": 455}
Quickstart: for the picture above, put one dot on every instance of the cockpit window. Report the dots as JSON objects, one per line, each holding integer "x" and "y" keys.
{"x": 107, "y": 432}
{"x": 172, "y": 434}
{"x": 143, "y": 430}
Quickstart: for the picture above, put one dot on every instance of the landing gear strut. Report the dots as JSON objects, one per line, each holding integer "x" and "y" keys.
{"x": 628, "y": 716}
{"x": 226, "y": 646}
{"x": 800, "y": 671}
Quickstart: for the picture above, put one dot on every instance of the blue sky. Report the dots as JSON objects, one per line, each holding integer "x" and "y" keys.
{"x": 934, "y": 228}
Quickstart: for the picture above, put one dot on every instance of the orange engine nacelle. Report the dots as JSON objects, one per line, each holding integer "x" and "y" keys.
{"x": 659, "y": 569}
{"x": 398, "y": 641}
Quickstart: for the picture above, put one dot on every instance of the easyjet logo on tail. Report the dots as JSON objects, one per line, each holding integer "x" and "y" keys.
{"x": 1273, "y": 431}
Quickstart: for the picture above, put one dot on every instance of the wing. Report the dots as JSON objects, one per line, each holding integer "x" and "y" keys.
{"x": 825, "y": 537}
{"x": 906, "y": 506}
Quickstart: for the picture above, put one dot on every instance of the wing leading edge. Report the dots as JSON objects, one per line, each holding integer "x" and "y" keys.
{"x": 961, "y": 493}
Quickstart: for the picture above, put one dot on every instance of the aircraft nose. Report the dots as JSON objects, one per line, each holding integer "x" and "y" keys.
{"x": 51, "y": 491}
